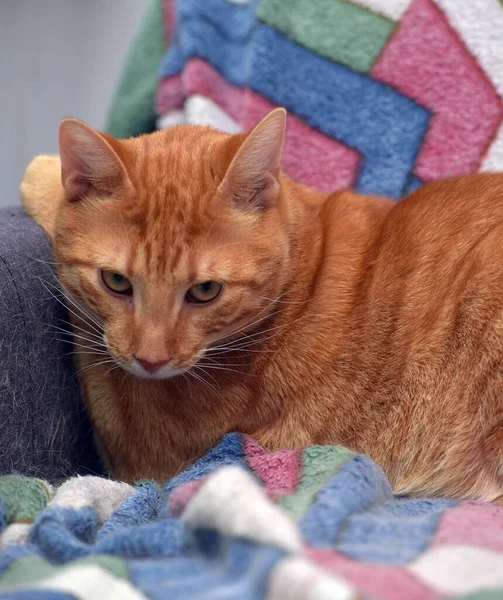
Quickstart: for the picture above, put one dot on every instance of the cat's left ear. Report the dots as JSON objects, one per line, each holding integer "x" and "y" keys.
{"x": 252, "y": 179}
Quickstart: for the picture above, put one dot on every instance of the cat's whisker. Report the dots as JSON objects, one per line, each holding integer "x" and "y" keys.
{"x": 228, "y": 350}
{"x": 285, "y": 301}
{"x": 229, "y": 244}
{"x": 209, "y": 375}
{"x": 44, "y": 283}
{"x": 245, "y": 345}
{"x": 198, "y": 377}
{"x": 284, "y": 325}
{"x": 90, "y": 352}
{"x": 212, "y": 360}
{"x": 187, "y": 379}
{"x": 66, "y": 294}
{"x": 112, "y": 368}
{"x": 269, "y": 337}
{"x": 220, "y": 364}
{"x": 58, "y": 287}
{"x": 80, "y": 345}
{"x": 79, "y": 306}
{"x": 98, "y": 342}
{"x": 92, "y": 365}
{"x": 72, "y": 326}
{"x": 247, "y": 337}
{"x": 101, "y": 361}
{"x": 250, "y": 323}
{"x": 47, "y": 262}
{"x": 231, "y": 350}
{"x": 91, "y": 346}
{"x": 217, "y": 368}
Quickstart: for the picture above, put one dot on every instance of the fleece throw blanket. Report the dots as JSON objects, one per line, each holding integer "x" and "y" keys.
{"x": 382, "y": 95}
{"x": 318, "y": 524}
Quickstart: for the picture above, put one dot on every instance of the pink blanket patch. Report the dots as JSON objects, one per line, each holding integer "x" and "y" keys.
{"x": 169, "y": 9}
{"x": 279, "y": 471}
{"x": 472, "y": 524}
{"x": 170, "y": 95}
{"x": 183, "y": 495}
{"x": 375, "y": 581}
{"x": 309, "y": 157}
{"x": 427, "y": 61}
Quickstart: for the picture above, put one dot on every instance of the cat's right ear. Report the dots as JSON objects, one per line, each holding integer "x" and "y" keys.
{"x": 89, "y": 164}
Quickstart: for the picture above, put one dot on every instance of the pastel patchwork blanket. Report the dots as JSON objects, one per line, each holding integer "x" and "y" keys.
{"x": 242, "y": 523}
{"x": 382, "y": 95}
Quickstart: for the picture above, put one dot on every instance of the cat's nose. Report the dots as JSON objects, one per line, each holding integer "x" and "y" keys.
{"x": 149, "y": 366}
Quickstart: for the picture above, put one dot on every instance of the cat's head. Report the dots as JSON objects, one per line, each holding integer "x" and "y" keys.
{"x": 174, "y": 241}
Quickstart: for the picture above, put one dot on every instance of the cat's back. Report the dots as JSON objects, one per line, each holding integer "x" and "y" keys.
{"x": 427, "y": 241}
{"x": 395, "y": 274}
{"x": 428, "y": 317}
{"x": 447, "y": 215}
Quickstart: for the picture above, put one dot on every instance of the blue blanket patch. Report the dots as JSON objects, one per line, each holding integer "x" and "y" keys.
{"x": 215, "y": 567}
{"x": 394, "y": 534}
{"x": 229, "y": 451}
{"x": 355, "y": 513}
{"x": 36, "y": 595}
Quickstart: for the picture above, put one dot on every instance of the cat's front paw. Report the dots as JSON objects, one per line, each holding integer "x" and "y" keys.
{"x": 42, "y": 191}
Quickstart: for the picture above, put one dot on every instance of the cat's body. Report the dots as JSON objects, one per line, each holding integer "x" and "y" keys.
{"x": 348, "y": 320}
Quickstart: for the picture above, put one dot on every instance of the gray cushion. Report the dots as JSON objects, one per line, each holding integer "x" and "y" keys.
{"x": 44, "y": 430}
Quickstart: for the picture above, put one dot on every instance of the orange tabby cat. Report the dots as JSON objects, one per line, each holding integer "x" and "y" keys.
{"x": 221, "y": 296}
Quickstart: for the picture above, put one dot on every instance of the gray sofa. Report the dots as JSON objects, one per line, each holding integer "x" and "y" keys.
{"x": 44, "y": 430}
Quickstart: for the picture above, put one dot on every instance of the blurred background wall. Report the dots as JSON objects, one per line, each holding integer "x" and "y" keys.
{"x": 57, "y": 58}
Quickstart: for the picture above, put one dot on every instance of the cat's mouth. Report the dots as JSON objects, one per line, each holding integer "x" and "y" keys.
{"x": 152, "y": 370}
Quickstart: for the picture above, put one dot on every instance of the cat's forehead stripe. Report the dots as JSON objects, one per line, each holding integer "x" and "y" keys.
{"x": 176, "y": 255}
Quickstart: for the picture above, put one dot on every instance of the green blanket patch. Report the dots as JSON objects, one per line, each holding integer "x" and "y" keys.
{"x": 133, "y": 109}
{"x": 335, "y": 29}
{"x": 23, "y": 498}
{"x": 320, "y": 463}
{"x": 29, "y": 571}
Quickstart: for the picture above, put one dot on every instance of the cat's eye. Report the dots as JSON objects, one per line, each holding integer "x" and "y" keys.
{"x": 117, "y": 283}
{"x": 204, "y": 292}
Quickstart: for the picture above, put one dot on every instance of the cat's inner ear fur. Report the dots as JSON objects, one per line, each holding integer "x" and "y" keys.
{"x": 89, "y": 164}
{"x": 251, "y": 181}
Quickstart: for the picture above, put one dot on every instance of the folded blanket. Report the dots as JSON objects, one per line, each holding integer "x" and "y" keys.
{"x": 316, "y": 524}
